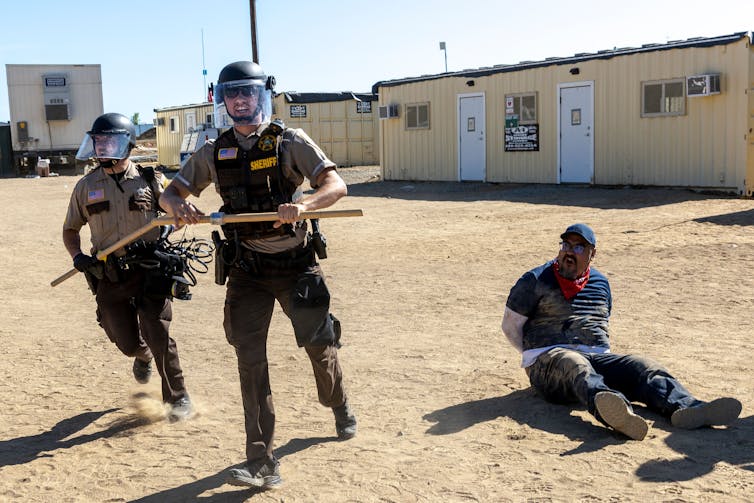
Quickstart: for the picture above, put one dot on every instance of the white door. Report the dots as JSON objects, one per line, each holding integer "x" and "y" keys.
{"x": 577, "y": 134}
{"x": 471, "y": 142}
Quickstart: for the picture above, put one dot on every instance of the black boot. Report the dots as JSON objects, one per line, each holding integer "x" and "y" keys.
{"x": 345, "y": 421}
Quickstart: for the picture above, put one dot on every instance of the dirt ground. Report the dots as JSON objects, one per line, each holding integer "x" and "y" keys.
{"x": 445, "y": 412}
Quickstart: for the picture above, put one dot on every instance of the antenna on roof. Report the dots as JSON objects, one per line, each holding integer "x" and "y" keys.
{"x": 204, "y": 69}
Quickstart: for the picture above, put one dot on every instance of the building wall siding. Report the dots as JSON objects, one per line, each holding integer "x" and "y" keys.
{"x": 347, "y": 137}
{"x": 706, "y": 147}
{"x": 26, "y": 99}
{"x": 169, "y": 143}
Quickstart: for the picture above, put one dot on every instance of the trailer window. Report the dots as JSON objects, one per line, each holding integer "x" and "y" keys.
{"x": 663, "y": 98}
{"x": 417, "y": 116}
{"x": 174, "y": 124}
{"x": 524, "y": 107}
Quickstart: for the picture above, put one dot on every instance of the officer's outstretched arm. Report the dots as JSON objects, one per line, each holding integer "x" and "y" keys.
{"x": 173, "y": 201}
{"x": 330, "y": 188}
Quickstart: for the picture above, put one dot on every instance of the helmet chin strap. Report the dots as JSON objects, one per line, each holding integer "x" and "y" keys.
{"x": 247, "y": 120}
{"x": 108, "y": 163}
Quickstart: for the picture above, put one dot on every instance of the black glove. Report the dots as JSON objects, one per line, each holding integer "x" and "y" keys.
{"x": 86, "y": 263}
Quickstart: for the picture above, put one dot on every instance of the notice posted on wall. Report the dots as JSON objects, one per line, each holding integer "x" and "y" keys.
{"x": 523, "y": 138}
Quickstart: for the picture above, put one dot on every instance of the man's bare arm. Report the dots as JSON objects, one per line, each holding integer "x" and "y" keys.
{"x": 513, "y": 328}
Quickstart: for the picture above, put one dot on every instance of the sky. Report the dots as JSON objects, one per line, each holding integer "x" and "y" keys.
{"x": 153, "y": 53}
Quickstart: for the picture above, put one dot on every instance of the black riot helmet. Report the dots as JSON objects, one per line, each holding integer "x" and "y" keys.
{"x": 245, "y": 80}
{"x": 111, "y": 137}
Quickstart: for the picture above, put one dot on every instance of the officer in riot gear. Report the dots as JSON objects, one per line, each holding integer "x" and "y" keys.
{"x": 259, "y": 165}
{"x": 115, "y": 199}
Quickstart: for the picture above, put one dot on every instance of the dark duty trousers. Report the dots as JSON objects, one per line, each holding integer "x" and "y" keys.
{"x": 562, "y": 375}
{"x": 249, "y": 304}
{"x": 138, "y": 326}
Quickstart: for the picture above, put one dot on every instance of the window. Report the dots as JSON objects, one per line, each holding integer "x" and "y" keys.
{"x": 522, "y": 105}
{"x": 174, "y": 124}
{"x": 663, "y": 98}
{"x": 209, "y": 120}
{"x": 417, "y": 116}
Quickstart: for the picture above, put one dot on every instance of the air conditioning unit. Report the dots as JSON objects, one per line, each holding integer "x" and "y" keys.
{"x": 388, "y": 111}
{"x": 703, "y": 85}
{"x": 158, "y": 121}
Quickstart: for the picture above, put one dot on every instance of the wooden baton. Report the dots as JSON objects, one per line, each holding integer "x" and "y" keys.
{"x": 217, "y": 218}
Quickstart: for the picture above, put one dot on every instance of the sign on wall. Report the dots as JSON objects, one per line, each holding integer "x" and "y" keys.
{"x": 298, "y": 111}
{"x": 363, "y": 107}
{"x": 523, "y": 138}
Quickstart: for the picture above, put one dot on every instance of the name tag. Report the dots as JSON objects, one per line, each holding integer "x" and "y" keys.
{"x": 95, "y": 195}
{"x": 227, "y": 153}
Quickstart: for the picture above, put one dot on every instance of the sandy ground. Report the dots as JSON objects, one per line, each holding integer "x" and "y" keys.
{"x": 445, "y": 413}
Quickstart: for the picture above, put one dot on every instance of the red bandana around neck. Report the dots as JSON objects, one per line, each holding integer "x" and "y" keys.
{"x": 570, "y": 287}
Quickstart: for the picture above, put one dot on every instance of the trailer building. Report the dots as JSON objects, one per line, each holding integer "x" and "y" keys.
{"x": 675, "y": 114}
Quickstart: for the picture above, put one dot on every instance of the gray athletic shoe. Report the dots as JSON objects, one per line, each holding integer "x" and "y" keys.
{"x": 345, "y": 421}
{"x": 264, "y": 474}
{"x": 618, "y": 415}
{"x": 715, "y": 413}
{"x": 181, "y": 409}
{"x": 142, "y": 371}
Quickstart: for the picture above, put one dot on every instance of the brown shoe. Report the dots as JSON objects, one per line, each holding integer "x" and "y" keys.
{"x": 618, "y": 415}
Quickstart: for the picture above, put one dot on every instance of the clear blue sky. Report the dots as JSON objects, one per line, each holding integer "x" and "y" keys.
{"x": 151, "y": 51}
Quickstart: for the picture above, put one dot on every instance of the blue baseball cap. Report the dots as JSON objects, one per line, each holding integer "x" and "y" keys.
{"x": 582, "y": 230}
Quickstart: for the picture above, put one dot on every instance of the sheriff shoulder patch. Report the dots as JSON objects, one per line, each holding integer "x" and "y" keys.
{"x": 227, "y": 153}
{"x": 266, "y": 143}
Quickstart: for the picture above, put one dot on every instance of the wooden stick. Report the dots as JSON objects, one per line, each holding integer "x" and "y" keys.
{"x": 214, "y": 219}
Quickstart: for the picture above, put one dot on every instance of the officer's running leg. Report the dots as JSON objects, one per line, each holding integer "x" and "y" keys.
{"x": 155, "y": 316}
{"x": 117, "y": 316}
{"x": 248, "y": 310}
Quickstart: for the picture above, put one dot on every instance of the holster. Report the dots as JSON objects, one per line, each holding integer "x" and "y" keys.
{"x": 92, "y": 281}
{"x": 317, "y": 240}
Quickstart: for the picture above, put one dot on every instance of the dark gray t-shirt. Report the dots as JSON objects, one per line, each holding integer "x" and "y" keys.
{"x": 553, "y": 320}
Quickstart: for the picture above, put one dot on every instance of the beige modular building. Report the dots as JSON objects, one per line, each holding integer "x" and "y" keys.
{"x": 51, "y": 107}
{"x": 676, "y": 114}
{"x": 343, "y": 124}
{"x": 177, "y": 127}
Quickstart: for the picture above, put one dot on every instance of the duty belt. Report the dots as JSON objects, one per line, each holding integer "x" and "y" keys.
{"x": 293, "y": 260}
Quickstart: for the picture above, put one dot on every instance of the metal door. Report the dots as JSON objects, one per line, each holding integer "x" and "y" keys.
{"x": 576, "y": 134}
{"x": 471, "y": 139}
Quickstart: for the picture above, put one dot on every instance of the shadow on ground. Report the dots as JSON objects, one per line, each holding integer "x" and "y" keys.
{"x": 25, "y": 449}
{"x": 565, "y": 195}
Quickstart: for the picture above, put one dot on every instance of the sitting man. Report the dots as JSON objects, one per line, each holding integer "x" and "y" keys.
{"x": 557, "y": 317}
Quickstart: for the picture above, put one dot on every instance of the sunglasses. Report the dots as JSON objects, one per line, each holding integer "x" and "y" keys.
{"x": 578, "y": 249}
{"x": 245, "y": 91}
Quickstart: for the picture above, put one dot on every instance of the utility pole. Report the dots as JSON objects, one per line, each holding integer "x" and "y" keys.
{"x": 253, "y": 14}
{"x": 442, "y": 48}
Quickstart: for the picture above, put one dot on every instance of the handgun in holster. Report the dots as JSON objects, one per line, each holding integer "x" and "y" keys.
{"x": 317, "y": 239}
{"x": 221, "y": 267}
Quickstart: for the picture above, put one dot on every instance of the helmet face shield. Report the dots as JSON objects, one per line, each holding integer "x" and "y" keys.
{"x": 104, "y": 146}
{"x": 245, "y": 102}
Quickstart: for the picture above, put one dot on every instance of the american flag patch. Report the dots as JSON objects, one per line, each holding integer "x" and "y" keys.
{"x": 95, "y": 195}
{"x": 227, "y": 153}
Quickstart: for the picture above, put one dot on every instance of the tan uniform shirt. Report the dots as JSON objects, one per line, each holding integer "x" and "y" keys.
{"x": 299, "y": 157}
{"x": 111, "y": 214}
